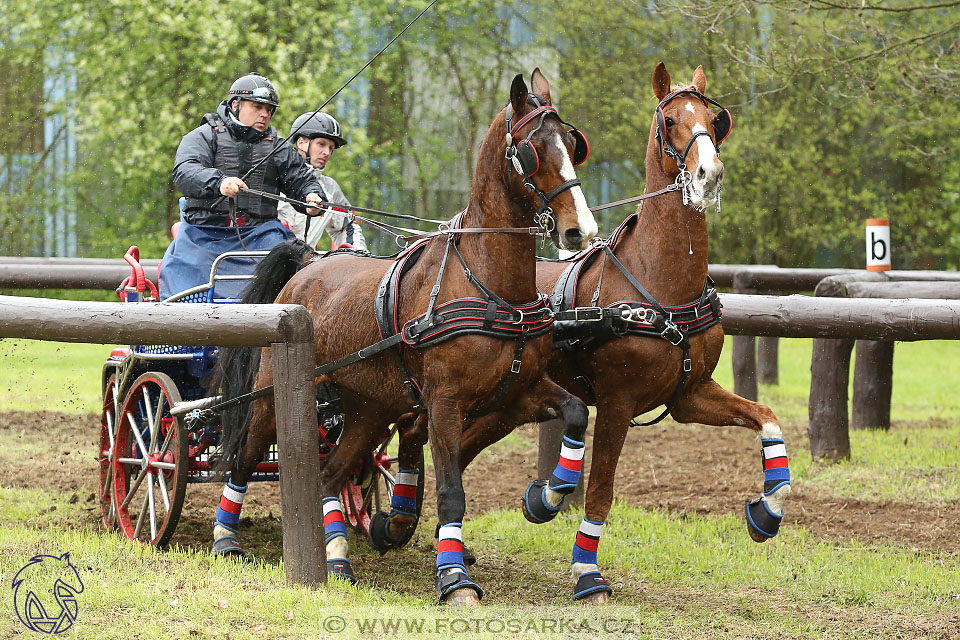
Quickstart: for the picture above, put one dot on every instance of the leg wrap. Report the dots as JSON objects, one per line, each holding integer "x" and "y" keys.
{"x": 763, "y": 519}
{"x": 776, "y": 469}
{"x": 228, "y": 512}
{"x": 404, "y": 498}
{"x": 567, "y": 474}
{"x": 333, "y": 524}
{"x": 451, "y": 570}
{"x": 588, "y": 539}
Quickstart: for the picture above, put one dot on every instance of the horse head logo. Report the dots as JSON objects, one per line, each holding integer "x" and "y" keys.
{"x": 45, "y": 593}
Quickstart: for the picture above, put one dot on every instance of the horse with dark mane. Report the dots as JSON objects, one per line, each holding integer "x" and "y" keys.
{"x": 646, "y": 328}
{"x": 469, "y": 294}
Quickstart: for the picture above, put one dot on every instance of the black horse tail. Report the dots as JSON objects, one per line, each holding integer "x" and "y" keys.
{"x": 237, "y": 366}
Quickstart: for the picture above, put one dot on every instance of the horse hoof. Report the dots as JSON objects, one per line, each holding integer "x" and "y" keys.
{"x": 535, "y": 507}
{"x": 340, "y": 568}
{"x": 463, "y": 597}
{"x": 391, "y": 531}
{"x": 755, "y": 535}
{"x": 592, "y": 587}
{"x": 600, "y": 597}
{"x": 228, "y": 547}
{"x": 458, "y": 589}
{"x": 762, "y": 523}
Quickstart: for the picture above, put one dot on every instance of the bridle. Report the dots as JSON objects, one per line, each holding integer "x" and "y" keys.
{"x": 721, "y": 127}
{"x": 526, "y": 162}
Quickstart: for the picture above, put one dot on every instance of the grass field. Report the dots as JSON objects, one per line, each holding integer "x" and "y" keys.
{"x": 677, "y": 572}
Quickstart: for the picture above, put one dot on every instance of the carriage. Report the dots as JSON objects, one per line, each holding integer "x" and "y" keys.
{"x": 149, "y": 451}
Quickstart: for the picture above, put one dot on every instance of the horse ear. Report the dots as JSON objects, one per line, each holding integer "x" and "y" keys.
{"x": 700, "y": 80}
{"x": 540, "y": 85}
{"x": 661, "y": 81}
{"x": 518, "y": 95}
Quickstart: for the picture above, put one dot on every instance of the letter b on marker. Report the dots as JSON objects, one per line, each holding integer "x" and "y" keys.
{"x": 878, "y": 244}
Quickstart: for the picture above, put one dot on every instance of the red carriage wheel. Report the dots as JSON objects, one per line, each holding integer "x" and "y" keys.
{"x": 108, "y": 432}
{"x": 150, "y": 461}
{"x": 370, "y": 490}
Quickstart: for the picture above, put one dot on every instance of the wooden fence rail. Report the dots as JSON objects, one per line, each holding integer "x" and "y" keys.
{"x": 287, "y": 329}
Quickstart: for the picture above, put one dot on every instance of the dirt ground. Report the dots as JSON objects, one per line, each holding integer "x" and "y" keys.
{"x": 661, "y": 467}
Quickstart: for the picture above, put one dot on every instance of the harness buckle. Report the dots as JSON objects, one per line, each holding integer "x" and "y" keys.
{"x": 687, "y": 365}
{"x": 671, "y": 333}
{"x": 435, "y": 291}
{"x": 515, "y": 367}
{"x": 587, "y": 314}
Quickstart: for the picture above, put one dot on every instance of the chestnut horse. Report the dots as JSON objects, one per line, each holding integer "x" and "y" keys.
{"x": 455, "y": 383}
{"x": 656, "y": 340}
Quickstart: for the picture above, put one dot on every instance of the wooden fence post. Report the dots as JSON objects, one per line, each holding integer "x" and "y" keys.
{"x": 872, "y": 385}
{"x": 551, "y": 437}
{"x": 744, "y": 349}
{"x": 829, "y": 379}
{"x": 298, "y": 449}
{"x": 768, "y": 365}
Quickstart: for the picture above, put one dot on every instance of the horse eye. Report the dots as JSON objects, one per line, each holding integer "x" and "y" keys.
{"x": 669, "y": 122}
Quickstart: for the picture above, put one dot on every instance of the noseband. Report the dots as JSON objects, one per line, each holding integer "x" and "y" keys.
{"x": 721, "y": 127}
{"x": 526, "y": 162}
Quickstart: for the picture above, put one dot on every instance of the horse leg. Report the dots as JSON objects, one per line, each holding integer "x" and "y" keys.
{"x": 445, "y": 418}
{"x": 360, "y": 436}
{"x": 543, "y": 498}
{"x": 609, "y": 433}
{"x": 388, "y": 530}
{"x": 709, "y": 403}
{"x": 262, "y": 433}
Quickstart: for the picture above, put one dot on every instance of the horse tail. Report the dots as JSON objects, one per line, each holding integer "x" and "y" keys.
{"x": 237, "y": 367}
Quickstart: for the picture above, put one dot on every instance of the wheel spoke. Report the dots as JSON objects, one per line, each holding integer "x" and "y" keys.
{"x": 131, "y": 461}
{"x": 136, "y": 434}
{"x": 166, "y": 440}
{"x": 148, "y": 410}
{"x": 133, "y": 489}
{"x": 153, "y": 508}
{"x": 143, "y": 509}
{"x": 109, "y": 417}
{"x": 162, "y": 484}
{"x": 158, "y": 420}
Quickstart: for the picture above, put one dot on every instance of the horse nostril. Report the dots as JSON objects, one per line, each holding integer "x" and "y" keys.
{"x": 573, "y": 237}
{"x": 701, "y": 174}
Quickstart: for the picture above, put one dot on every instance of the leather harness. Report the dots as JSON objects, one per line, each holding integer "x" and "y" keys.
{"x": 578, "y": 329}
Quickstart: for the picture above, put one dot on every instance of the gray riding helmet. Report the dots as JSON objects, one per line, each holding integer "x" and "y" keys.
{"x": 254, "y": 87}
{"x": 321, "y": 125}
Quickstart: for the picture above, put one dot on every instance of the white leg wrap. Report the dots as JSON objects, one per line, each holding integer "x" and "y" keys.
{"x": 775, "y": 500}
{"x": 553, "y": 498}
{"x": 337, "y": 548}
{"x": 220, "y": 532}
{"x": 577, "y": 569}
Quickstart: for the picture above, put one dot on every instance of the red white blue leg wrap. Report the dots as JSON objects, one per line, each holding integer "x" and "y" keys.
{"x": 404, "y": 500}
{"x": 588, "y": 540}
{"x": 333, "y": 523}
{"x": 451, "y": 571}
{"x": 762, "y": 518}
{"x": 228, "y": 511}
{"x": 567, "y": 474}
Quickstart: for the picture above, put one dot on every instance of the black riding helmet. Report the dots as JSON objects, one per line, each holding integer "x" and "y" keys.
{"x": 313, "y": 126}
{"x": 253, "y": 87}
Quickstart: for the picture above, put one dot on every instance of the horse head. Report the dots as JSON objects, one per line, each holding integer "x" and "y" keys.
{"x": 541, "y": 153}
{"x": 689, "y": 133}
